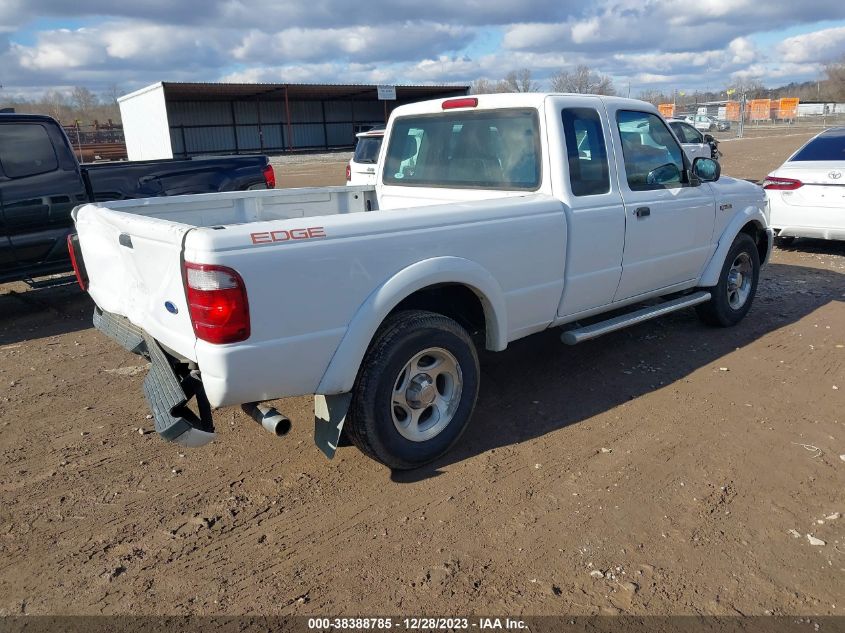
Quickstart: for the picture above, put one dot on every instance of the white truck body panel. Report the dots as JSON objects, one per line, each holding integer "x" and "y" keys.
{"x": 534, "y": 258}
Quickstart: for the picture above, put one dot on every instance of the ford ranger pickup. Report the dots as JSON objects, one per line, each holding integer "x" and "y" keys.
{"x": 493, "y": 217}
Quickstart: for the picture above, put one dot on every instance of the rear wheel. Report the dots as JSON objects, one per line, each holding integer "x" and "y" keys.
{"x": 732, "y": 296}
{"x": 415, "y": 391}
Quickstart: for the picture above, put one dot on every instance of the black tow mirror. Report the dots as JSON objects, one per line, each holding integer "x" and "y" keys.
{"x": 706, "y": 169}
{"x": 708, "y": 138}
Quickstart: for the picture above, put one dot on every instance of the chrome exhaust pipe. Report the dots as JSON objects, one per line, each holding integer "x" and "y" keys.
{"x": 268, "y": 417}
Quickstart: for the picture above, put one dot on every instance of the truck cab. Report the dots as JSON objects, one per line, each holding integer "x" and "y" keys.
{"x": 40, "y": 184}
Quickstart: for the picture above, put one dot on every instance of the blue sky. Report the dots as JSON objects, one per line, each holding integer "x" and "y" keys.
{"x": 651, "y": 44}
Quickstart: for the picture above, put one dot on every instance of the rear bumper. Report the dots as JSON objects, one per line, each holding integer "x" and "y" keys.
{"x": 823, "y": 233}
{"x": 797, "y": 220}
{"x": 167, "y": 390}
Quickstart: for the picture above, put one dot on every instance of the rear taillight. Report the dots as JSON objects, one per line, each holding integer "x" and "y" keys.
{"x": 76, "y": 260}
{"x": 466, "y": 102}
{"x": 781, "y": 184}
{"x": 217, "y": 303}
{"x": 269, "y": 177}
{"x": 348, "y": 172}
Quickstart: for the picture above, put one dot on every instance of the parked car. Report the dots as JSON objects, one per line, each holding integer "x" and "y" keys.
{"x": 41, "y": 181}
{"x": 723, "y": 125}
{"x": 493, "y": 217}
{"x": 702, "y": 122}
{"x": 361, "y": 169}
{"x": 692, "y": 140}
{"x": 807, "y": 193}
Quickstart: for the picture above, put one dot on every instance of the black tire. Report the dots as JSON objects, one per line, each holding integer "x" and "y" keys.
{"x": 370, "y": 422}
{"x": 785, "y": 241}
{"x": 719, "y": 311}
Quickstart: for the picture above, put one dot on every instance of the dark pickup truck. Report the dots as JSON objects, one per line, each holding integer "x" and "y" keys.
{"x": 41, "y": 182}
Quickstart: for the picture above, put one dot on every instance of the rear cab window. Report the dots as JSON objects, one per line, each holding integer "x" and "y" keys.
{"x": 829, "y": 146}
{"x": 26, "y": 150}
{"x": 488, "y": 149}
{"x": 586, "y": 152}
{"x": 367, "y": 149}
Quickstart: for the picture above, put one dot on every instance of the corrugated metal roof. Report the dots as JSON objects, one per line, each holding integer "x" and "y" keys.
{"x": 301, "y": 92}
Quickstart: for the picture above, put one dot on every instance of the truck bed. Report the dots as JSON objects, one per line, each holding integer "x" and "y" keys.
{"x": 221, "y": 209}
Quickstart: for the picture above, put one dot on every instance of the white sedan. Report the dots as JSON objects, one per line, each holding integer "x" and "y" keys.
{"x": 807, "y": 193}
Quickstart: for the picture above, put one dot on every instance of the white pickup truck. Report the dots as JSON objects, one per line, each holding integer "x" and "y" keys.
{"x": 494, "y": 217}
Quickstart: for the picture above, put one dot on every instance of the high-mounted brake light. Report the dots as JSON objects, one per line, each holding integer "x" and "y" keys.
{"x": 466, "y": 102}
{"x": 269, "y": 177}
{"x": 217, "y": 303}
{"x": 348, "y": 172}
{"x": 781, "y": 184}
{"x": 76, "y": 261}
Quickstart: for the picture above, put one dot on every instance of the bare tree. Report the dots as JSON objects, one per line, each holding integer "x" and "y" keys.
{"x": 751, "y": 88}
{"x": 113, "y": 91}
{"x": 518, "y": 81}
{"x": 834, "y": 84}
{"x": 582, "y": 80}
{"x": 514, "y": 81}
{"x": 482, "y": 86}
{"x": 55, "y": 104}
{"x": 655, "y": 97}
{"x": 83, "y": 100}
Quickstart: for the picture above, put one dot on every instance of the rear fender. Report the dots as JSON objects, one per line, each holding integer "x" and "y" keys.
{"x": 343, "y": 368}
{"x": 751, "y": 214}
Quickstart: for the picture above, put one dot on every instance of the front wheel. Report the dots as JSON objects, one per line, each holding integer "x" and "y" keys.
{"x": 732, "y": 296}
{"x": 415, "y": 391}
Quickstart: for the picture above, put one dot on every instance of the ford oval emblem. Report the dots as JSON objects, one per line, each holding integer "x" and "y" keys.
{"x": 171, "y": 307}
{"x": 835, "y": 175}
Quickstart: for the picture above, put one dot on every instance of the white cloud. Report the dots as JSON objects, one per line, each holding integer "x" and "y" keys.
{"x": 668, "y": 25}
{"x": 666, "y": 43}
{"x": 819, "y": 46}
{"x": 358, "y": 43}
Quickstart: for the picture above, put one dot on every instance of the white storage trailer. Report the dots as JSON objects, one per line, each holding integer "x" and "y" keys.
{"x": 179, "y": 120}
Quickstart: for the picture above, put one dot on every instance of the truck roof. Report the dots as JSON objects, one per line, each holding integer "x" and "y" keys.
{"x": 16, "y": 116}
{"x": 515, "y": 100}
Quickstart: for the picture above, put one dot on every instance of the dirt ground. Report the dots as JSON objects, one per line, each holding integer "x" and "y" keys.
{"x": 666, "y": 469}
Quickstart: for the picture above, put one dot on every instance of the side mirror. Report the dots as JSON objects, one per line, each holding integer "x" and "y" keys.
{"x": 707, "y": 169}
{"x": 663, "y": 175}
{"x": 708, "y": 138}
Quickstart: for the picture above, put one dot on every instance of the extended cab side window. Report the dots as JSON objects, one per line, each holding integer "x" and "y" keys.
{"x": 653, "y": 158}
{"x": 587, "y": 153}
{"x": 26, "y": 150}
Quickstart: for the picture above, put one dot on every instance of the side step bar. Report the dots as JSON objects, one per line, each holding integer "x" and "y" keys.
{"x": 581, "y": 334}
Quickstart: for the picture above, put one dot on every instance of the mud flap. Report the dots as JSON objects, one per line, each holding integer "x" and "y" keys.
{"x": 329, "y": 416}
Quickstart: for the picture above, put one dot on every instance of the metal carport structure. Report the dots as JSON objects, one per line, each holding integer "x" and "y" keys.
{"x": 169, "y": 119}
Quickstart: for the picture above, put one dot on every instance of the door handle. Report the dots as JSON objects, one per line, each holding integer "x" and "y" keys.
{"x": 642, "y": 212}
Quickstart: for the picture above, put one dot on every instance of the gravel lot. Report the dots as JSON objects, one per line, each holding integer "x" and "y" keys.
{"x": 669, "y": 468}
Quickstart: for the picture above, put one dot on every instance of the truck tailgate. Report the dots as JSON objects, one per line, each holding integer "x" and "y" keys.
{"x": 134, "y": 266}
